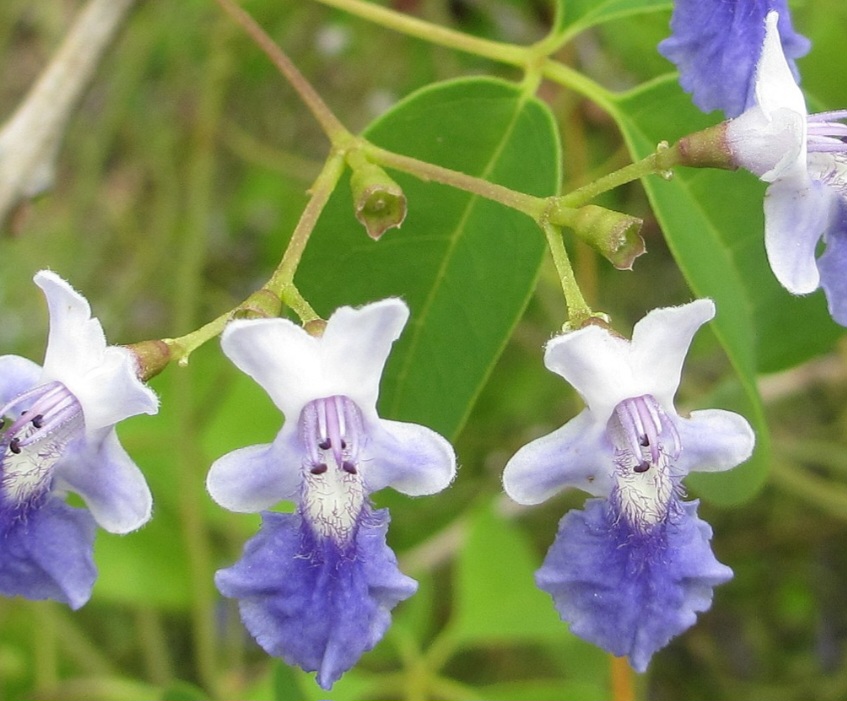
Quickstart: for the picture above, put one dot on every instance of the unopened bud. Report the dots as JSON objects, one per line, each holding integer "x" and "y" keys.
{"x": 709, "y": 148}
{"x": 151, "y": 357}
{"x": 379, "y": 201}
{"x": 315, "y": 327}
{"x": 613, "y": 234}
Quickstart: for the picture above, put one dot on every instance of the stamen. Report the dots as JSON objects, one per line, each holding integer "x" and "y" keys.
{"x": 645, "y": 441}
{"x": 49, "y": 419}
{"x": 333, "y": 493}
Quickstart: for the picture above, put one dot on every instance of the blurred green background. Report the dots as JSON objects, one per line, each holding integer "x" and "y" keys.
{"x": 181, "y": 177}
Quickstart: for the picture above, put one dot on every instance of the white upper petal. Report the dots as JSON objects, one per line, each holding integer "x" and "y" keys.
{"x": 660, "y": 342}
{"x": 295, "y": 368}
{"x": 606, "y": 369}
{"x": 769, "y": 139}
{"x": 103, "y": 378}
{"x": 76, "y": 342}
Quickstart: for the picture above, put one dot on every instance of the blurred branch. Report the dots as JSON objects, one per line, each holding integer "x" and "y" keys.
{"x": 30, "y": 138}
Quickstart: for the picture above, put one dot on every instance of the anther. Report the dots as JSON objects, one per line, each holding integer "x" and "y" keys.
{"x": 325, "y": 445}
{"x": 641, "y": 467}
{"x": 14, "y": 445}
{"x": 349, "y": 467}
{"x": 643, "y": 440}
{"x": 319, "y": 469}
{"x": 38, "y": 420}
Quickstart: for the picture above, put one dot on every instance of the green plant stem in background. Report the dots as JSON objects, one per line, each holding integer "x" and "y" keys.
{"x": 405, "y": 24}
{"x": 46, "y": 668}
{"x": 621, "y": 676}
{"x": 190, "y": 473}
{"x": 333, "y": 128}
{"x": 532, "y": 59}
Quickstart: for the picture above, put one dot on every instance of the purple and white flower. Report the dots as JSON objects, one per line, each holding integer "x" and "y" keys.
{"x": 59, "y": 436}
{"x": 632, "y": 569}
{"x": 715, "y": 44}
{"x": 316, "y": 587}
{"x": 804, "y": 159}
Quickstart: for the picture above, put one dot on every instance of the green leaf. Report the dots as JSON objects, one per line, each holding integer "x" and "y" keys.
{"x": 575, "y": 16}
{"x": 496, "y": 597}
{"x": 466, "y": 266}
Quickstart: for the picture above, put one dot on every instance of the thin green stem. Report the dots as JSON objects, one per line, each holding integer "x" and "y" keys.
{"x": 281, "y": 281}
{"x": 578, "y": 309}
{"x": 578, "y": 82}
{"x": 332, "y": 126}
{"x": 435, "y": 34}
{"x": 528, "y": 204}
{"x": 531, "y": 59}
{"x": 661, "y": 161}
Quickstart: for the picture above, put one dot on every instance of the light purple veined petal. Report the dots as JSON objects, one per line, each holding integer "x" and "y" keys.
{"x": 833, "y": 267}
{"x": 797, "y": 211}
{"x": 713, "y": 440}
{"x": 75, "y": 342}
{"x": 251, "y": 479}
{"x": 109, "y": 482}
{"x": 111, "y": 391}
{"x": 410, "y": 458}
{"x": 576, "y": 455}
{"x": 660, "y": 342}
{"x": 597, "y": 364}
{"x": 17, "y": 375}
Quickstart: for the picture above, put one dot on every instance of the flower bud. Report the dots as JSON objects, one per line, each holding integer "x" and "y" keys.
{"x": 709, "y": 148}
{"x": 151, "y": 357}
{"x": 379, "y": 202}
{"x": 613, "y": 234}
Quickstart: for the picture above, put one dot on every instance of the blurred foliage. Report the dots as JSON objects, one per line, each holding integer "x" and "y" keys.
{"x": 182, "y": 175}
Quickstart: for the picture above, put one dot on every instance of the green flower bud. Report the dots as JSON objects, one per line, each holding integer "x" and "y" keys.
{"x": 151, "y": 357}
{"x": 379, "y": 202}
{"x": 613, "y": 234}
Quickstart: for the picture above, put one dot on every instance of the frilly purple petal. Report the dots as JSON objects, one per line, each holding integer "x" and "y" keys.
{"x": 715, "y": 44}
{"x": 311, "y": 601}
{"x": 629, "y": 592}
{"x": 47, "y": 554}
